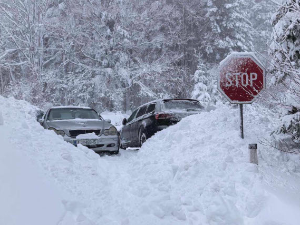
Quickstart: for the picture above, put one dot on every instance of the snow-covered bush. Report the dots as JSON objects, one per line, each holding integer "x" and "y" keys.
{"x": 287, "y": 136}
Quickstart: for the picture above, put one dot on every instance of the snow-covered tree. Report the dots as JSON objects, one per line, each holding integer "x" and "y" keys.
{"x": 114, "y": 54}
{"x": 227, "y": 29}
{"x": 200, "y": 91}
{"x": 205, "y": 89}
{"x": 259, "y": 13}
{"x": 285, "y": 67}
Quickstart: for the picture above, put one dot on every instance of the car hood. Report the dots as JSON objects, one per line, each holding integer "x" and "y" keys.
{"x": 79, "y": 124}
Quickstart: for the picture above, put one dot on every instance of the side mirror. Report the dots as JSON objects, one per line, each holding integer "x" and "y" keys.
{"x": 41, "y": 121}
{"x": 124, "y": 121}
{"x": 108, "y": 120}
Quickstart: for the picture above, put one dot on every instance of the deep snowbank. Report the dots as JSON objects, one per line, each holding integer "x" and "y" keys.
{"x": 25, "y": 197}
{"x": 201, "y": 167}
{"x": 32, "y": 162}
{"x": 195, "y": 172}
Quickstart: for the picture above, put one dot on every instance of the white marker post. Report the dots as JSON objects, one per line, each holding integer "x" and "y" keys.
{"x": 253, "y": 153}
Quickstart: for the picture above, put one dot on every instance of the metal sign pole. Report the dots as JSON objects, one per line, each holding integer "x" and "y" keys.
{"x": 242, "y": 121}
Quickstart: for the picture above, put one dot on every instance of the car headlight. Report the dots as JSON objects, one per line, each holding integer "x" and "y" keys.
{"x": 110, "y": 131}
{"x": 113, "y": 131}
{"x": 58, "y": 132}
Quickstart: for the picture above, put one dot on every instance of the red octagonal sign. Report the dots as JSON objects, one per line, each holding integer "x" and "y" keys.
{"x": 241, "y": 78}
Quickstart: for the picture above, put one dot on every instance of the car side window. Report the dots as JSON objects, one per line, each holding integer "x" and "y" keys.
{"x": 142, "y": 111}
{"x": 151, "y": 108}
{"x": 132, "y": 116}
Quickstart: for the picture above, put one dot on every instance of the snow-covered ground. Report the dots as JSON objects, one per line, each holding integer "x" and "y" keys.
{"x": 196, "y": 172}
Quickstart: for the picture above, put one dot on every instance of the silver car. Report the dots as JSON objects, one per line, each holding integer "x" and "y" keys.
{"x": 82, "y": 125}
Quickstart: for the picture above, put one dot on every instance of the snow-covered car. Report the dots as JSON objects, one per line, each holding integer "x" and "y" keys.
{"x": 155, "y": 116}
{"x": 82, "y": 125}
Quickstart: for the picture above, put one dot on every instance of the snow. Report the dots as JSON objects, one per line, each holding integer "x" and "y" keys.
{"x": 70, "y": 107}
{"x": 195, "y": 172}
{"x": 241, "y": 55}
{"x": 75, "y": 120}
{"x": 26, "y": 196}
{"x": 87, "y": 136}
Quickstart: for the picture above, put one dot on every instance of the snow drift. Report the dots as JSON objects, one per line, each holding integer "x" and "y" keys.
{"x": 196, "y": 172}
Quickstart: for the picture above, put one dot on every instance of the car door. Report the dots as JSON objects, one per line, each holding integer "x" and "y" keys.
{"x": 45, "y": 118}
{"x": 149, "y": 119}
{"x": 136, "y": 124}
{"x": 126, "y": 131}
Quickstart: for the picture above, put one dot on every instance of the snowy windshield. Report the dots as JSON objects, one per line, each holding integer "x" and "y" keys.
{"x": 70, "y": 114}
{"x": 183, "y": 105}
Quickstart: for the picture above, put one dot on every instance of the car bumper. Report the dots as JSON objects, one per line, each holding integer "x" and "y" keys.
{"x": 102, "y": 144}
{"x": 161, "y": 127}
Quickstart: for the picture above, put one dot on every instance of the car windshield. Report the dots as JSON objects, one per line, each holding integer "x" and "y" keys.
{"x": 183, "y": 105}
{"x": 72, "y": 113}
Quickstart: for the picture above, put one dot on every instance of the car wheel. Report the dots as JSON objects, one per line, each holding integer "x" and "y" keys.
{"x": 121, "y": 146}
{"x": 115, "y": 152}
{"x": 142, "y": 137}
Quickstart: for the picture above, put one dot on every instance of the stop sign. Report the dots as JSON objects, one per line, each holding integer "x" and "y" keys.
{"x": 241, "y": 78}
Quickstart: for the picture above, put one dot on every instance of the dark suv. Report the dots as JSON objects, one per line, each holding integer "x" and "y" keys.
{"x": 153, "y": 117}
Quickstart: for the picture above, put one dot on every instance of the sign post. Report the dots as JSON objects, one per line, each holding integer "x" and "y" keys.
{"x": 242, "y": 121}
{"x": 241, "y": 79}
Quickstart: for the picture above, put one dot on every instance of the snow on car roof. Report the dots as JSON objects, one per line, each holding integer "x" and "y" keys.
{"x": 71, "y": 106}
{"x": 180, "y": 99}
{"x": 168, "y": 99}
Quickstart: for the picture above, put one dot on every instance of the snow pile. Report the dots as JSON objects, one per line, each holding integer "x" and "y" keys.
{"x": 87, "y": 136}
{"x": 25, "y": 197}
{"x": 198, "y": 171}
{"x": 34, "y": 161}
{"x": 195, "y": 172}
{"x": 286, "y": 162}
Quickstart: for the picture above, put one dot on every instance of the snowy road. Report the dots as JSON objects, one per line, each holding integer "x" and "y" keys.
{"x": 195, "y": 172}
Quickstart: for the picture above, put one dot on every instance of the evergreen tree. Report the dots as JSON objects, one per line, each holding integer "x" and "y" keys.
{"x": 205, "y": 89}
{"x": 114, "y": 54}
{"x": 260, "y": 14}
{"x": 202, "y": 82}
{"x": 227, "y": 29}
{"x": 285, "y": 67}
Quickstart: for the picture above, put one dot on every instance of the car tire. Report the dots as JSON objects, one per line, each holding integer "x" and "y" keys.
{"x": 120, "y": 145}
{"x": 115, "y": 152}
{"x": 142, "y": 137}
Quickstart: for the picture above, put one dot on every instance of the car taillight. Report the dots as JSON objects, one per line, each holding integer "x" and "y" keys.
{"x": 162, "y": 116}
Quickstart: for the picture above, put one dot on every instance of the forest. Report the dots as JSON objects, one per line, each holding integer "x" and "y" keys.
{"x": 206, "y": 161}
{"x": 115, "y": 54}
